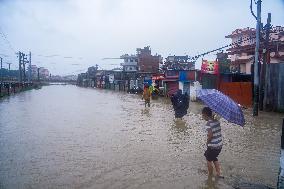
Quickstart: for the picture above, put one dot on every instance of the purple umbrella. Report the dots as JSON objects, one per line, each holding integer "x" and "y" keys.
{"x": 223, "y": 105}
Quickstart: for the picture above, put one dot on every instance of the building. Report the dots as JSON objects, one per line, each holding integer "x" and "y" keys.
{"x": 70, "y": 78}
{"x": 130, "y": 63}
{"x": 146, "y": 61}
{"x": 178, "y": 63}
{"x": 34, "y": 71}
{"x": 143, "y": 61}
{"x": 242, "y": 51}
{"x": 56, "y": 78}
{"x": 135, "y": 72}
{"x": 82, "y": 80}
{"x": 92, "y": 72}
{"x": 129, "y": 72}
{"x": 137, "y": 69}
{"x": 44, "y": 73}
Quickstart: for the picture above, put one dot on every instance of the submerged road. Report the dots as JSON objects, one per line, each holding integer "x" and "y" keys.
{"x": 71, "y": 137}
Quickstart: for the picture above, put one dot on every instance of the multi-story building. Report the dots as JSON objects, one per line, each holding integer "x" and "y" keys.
{"x": 143, "y": 61}
{"x": 178, "y": 63}
{"x": 43, "y": 72}
{"x": 242, "y": 51}
{"x": 130, "y": 63}
{"x": 146, "y": 61}
{"x": 34, "y": 71}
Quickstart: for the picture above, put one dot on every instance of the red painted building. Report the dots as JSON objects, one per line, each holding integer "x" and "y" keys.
{"x": 146, "y": 61}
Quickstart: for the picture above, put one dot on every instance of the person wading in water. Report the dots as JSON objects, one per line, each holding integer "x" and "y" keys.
{"x": 146, "y": 95}
{"x": 214, "y": 142}
{"x": 180, "y": 104}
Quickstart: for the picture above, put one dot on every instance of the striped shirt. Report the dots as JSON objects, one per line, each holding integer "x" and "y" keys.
{"x": 214, "y": 126}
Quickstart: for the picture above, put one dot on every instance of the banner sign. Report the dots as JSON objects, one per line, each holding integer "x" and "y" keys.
{"x": 211, "y": 67}
{"x": 158, "y": 77}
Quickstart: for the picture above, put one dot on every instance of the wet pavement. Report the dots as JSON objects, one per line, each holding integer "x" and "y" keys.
{"x": 71, "y": 137}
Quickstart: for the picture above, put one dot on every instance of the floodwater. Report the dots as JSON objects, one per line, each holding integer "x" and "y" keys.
{"x": 71, "y": 137}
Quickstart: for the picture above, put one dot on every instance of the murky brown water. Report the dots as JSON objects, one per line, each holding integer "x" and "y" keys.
{"x": 69, "y": 137}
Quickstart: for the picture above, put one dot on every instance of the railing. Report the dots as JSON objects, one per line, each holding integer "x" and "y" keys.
{"x": 129, "y": 64}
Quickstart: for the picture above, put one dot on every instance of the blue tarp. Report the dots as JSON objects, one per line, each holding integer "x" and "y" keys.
{"x": 183, "y": 76}
{"x": 148, "y": 81}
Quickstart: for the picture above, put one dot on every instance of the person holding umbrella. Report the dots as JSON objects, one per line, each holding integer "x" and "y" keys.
{"x": 229, "y": 110}
{"x": 214, "y": 141}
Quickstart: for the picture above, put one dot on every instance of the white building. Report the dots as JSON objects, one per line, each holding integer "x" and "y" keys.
{"x": 130, "y": 63}
{"x": 43, "y": 72}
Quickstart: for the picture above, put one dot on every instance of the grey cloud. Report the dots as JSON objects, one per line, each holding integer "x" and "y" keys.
{"x": 94, "y": 29}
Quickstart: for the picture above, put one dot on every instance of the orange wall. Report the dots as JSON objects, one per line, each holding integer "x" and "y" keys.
{"x": 241, "y": 92}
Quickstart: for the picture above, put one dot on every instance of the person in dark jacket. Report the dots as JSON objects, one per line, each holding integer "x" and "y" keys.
{"x": 180, "y": 104}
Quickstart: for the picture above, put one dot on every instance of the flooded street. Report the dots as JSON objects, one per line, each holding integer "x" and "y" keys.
{"x": 70, "y": 137}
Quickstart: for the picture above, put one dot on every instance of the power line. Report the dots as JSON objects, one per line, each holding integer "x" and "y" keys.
{"x": 251, "y": 9}
{"x": 6, "y": 39}
{"x": 4, "y": 55}
{"x": 58, "y": 55}
{"x": 237, "y": 43}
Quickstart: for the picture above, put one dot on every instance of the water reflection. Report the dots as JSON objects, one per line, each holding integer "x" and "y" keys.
{"x": 146, "y": 112}
{"x": 211, "y": 183}
{"x": 180, "y": 124}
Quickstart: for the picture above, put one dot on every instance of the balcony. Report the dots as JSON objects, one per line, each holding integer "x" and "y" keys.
{"x": 128, "y": 64}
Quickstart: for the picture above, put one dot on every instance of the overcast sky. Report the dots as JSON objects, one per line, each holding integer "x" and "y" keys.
{"x": 68, "y": 36}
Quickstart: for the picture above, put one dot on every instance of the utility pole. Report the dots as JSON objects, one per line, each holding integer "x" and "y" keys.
{"x": 38, "y": 74}
{"x": 30, "y": 67}
{"x": 24, "y": 65}
{"x": 9, "y": 65}
{"x": 1, "y": 75}
{"x": 24, "y": 68}
{"x": 266, "y": 61}
{"x": 256, "y": 60}
{"x": 20, "y": 67}
{"x": 9, "y": 76}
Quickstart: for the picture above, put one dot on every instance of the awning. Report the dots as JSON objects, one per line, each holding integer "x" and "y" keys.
{"x": 158, "y": 78}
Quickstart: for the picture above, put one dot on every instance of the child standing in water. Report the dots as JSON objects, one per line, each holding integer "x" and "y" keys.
{"x": 214, "y": 142}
